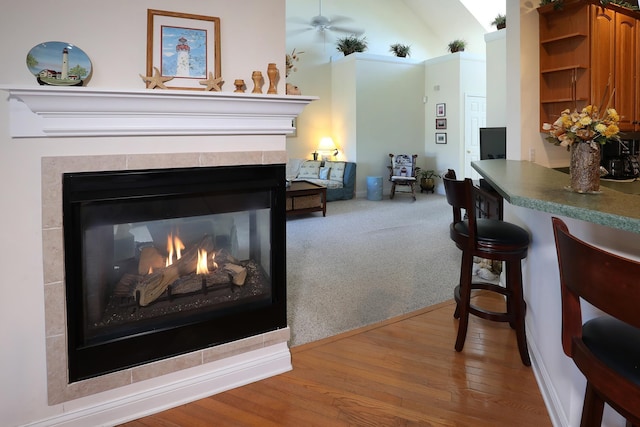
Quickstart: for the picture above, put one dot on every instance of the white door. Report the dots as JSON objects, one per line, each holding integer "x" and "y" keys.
{"x": 475, "y": 117}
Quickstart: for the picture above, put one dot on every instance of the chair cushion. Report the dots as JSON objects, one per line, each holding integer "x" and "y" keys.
{"x": 616, "y": 343}
{"x": 493, "y": 231}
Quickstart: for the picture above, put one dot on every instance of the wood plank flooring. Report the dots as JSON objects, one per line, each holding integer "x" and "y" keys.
{"x": 401, "y": 372}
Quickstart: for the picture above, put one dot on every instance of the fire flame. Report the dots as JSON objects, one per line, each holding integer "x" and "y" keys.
{"x": 174, "y": 244}
{"x": 201, "y": 267}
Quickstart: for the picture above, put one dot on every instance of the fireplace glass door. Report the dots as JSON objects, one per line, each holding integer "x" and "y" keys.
{"x": 163, "y": 262}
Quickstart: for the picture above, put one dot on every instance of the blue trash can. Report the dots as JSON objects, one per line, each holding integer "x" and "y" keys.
{"x": 374, "y": 188}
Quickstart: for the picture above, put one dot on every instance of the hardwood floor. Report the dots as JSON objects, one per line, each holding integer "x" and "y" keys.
{"x": 401, "y": 372}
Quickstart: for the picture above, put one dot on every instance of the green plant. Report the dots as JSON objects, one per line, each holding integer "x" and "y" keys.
{"x": 428, "y": 174}
{"x": 400, "y": 50}
{"x": 457, "y": 45}
{"x": 500, "y": 21}
{"x": 350, "y": 44}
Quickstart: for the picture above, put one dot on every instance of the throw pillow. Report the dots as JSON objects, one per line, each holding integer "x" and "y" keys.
{"x": 324, "y": 173}
{"x": 337, "y": 170}
{"x": 309, "y": 169}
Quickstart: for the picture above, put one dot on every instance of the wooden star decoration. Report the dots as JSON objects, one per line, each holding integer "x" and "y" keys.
{"x": 156, "y": 80}
{"x": 212, "y": 83}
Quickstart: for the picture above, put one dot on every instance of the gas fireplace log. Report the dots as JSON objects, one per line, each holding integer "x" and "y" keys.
{"x": 150, "y": 260}
{"x": 238, "y": 273}
{"x": 154, "y": 285}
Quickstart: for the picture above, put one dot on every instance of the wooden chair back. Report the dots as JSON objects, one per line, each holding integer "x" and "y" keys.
{"x": 460, "y": 196}
{"x": 612, "y": 284}
{"x": 605, "y": 280}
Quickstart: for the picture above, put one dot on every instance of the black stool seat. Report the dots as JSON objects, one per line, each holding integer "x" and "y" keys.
{"x": 493, "y": 235}
{"x": 490, "y": 239}
{"x": 616, "y": 343}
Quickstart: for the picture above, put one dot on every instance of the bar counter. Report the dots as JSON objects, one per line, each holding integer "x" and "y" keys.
{"x": 609, "y": 219}
{"x": 532, "y": 186}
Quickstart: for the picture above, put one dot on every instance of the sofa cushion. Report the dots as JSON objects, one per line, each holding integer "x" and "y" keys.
{"x": 324, "y": 173}
{"x": 337, "y": 170}
{"x": 293, "y": 168}
{"x": 309, "y": 169}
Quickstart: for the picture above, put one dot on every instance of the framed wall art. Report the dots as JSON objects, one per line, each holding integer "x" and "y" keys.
{"x": 441, "y": 123}
{"x": 183, "y": 46}
{"x": 441, "y": 110}
{"x": 441, "y": 138}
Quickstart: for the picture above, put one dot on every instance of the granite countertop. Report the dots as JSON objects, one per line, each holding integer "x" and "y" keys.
{"x": 532, "y": 186}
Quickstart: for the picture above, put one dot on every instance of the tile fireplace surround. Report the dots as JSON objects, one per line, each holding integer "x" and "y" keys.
{"x": 47, "y": 112}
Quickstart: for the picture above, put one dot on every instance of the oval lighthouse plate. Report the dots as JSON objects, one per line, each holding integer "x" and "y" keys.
{"x": 59, "y": 64}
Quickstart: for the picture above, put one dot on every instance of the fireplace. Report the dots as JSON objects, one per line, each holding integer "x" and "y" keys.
{"x": 163, "y": 262}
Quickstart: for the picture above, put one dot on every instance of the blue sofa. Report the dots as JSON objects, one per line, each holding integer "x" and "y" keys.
{"x": 338, "y": 177}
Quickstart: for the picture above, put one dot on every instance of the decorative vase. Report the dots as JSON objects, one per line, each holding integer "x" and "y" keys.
{"x": 272, "y": 74}
{"x": 584, "y": 169}
{"x": 256, "y": 76}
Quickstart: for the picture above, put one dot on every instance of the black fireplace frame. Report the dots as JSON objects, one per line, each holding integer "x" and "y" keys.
{"x": 87, "y": 360}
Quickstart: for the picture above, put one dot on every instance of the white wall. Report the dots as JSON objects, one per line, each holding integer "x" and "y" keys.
{"x": 378, "y": 109}
{"x": 496, "y": 78}
{"x": 448, "y": 79}
{"x": 113, "y": 34}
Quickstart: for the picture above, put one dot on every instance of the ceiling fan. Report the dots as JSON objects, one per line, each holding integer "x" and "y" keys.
{"x": 323, "y": 24}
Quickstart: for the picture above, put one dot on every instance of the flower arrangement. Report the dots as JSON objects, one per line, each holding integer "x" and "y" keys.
{"x": 584, "y": 126}
{"x": 290, "y": 59}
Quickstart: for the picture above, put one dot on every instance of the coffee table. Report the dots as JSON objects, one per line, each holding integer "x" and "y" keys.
{"x": 306, "y": 197}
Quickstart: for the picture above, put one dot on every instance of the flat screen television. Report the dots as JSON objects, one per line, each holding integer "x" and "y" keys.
{"x": 493, "y": 143}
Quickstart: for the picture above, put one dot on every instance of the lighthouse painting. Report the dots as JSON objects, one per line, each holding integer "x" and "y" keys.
{"x": 59, "y": 64}
{"x": 184, "y": 47}
{"x": 184, "y": 52}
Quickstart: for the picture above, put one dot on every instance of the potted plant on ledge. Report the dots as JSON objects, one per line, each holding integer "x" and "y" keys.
{"x": 400, "y": 50}
{"x": 457, "y": 45}
{"x": 351, "y": 44}
{"x": 500, "y": 21}
{"x": 428, "y": 180}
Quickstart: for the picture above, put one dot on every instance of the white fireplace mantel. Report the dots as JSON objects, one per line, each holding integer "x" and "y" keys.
{"x": 51, "y": 111}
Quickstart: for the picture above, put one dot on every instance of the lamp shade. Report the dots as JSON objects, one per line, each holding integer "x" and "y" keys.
{"x": 327, "y": 144}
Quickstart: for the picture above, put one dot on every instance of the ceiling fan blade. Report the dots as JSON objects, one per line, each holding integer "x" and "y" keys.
{"x": 354, "y": 31}
{"x": 296, "y": 20}
{"x": 294, "y": 33}
{"x": 335, "y": 19}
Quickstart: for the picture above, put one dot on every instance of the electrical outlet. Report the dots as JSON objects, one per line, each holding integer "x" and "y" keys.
{"x": 532, "y": 154}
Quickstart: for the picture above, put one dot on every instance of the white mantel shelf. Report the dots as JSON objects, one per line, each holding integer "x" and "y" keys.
{"x": 51, "y": 111}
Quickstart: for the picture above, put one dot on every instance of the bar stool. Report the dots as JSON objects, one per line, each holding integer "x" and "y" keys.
{"x": 490, "y": 239}
{"x": 606, "y": 349}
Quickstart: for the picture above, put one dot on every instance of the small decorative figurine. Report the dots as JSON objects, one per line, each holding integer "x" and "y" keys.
{"x": 272, "y": 73}
{"x": 257, "y": 81}
{"x": 239, "y": 84}
{"x": 212, "y": 83}
{"x": 156, "y": 80}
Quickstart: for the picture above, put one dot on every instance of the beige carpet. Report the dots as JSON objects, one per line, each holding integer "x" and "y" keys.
{"x": 367, "y": 261}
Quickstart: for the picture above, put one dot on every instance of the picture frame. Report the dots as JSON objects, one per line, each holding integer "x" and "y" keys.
{"x": 441, "y": 123}
{"x": 441, "y": 138}
{"x": 183, "y": 46}
{"x": 441, "y": 110}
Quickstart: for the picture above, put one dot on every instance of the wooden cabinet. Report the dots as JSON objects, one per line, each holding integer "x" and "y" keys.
{"x": 587, "y": 50}
{"x": 626, "y": 72}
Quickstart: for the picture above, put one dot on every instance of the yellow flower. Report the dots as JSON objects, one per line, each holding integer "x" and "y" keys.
{"x": 583, "y": 126}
